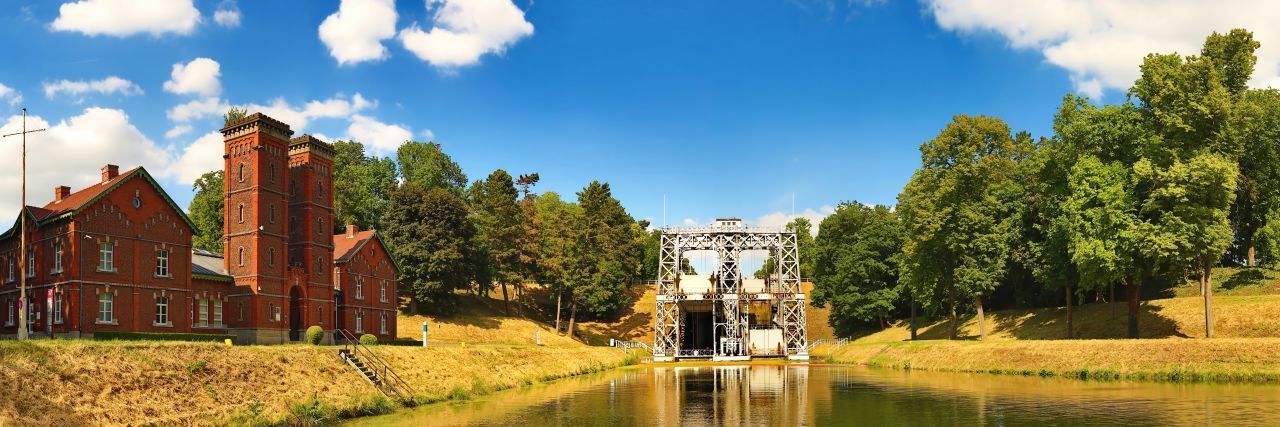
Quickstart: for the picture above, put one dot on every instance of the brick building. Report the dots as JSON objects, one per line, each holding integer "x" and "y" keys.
{"x": 366, "y": 274}
{"x": 117, "y": 256}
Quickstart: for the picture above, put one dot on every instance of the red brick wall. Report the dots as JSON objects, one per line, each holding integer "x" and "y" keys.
{"x": 373, "y": 265}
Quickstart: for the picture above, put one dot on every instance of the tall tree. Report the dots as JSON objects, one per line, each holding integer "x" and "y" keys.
{"x": 1258, "y": 193}
{"x": 559, "y": 246}
{"x": 500, "y": 222}
{"x": 430, "y": 232}
{"x": 362, "y": 186}
{"x": 609, "y": 251}
{"x": 856, "y": 265}
{"x": 206, "y": 210}
{"x": 957, "y": 213}
{"x": 427, "y": 164}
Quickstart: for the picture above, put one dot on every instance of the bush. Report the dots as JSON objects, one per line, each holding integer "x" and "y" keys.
{"x": 315, "y": 334}
{"x": 368, "y": 339}
{"x": 407, "y": 342}
{"x": 312, "y": 412}
{"x": 157, "y": 336}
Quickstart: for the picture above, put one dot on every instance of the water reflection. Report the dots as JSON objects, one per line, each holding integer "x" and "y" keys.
{"x": 791, "y": 395}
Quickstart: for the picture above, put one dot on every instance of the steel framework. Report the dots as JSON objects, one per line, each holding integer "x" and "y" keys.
{"x": 729, "y": 300}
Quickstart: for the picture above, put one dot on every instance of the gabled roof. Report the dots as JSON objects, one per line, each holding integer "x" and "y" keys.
{"x": 208, "y": 265}
{"x": 345, "y": 247}
{"x": 78, "y": 201}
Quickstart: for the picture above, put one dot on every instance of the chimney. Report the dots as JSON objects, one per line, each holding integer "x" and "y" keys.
{"x": 351, "y": 231}
{"x": 109, "y": 172}
{"x": 61, "y": 192}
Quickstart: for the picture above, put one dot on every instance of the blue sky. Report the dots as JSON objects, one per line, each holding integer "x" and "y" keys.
{"x": 727, "y": 108}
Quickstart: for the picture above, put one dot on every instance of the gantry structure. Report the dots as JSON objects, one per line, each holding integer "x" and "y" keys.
{"x": 729, "y": 318}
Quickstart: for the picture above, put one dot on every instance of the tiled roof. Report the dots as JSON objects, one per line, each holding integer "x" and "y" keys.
{"x": 345, "y": 246}
{"x": 79, "y": 198}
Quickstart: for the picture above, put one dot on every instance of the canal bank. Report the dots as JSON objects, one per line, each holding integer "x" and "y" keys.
{"x": 1172, "y": 359}
{"x": 74, "y": 382}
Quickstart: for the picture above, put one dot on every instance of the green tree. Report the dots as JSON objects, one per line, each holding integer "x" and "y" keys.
{"x": 362, "y": 186}
{"x": 805, "y": 248}
{"x": 559, "y": 246}
{"x": 206, "y": 210}
{"x": 1258, "y": 193}
{"x": 426, "y": 164}
{"x": 430, "y": 232}
{"x": 500, "y": 224}
{"x": 856, "y": 265}
{"x": 234, "y": 114}
{"x": 957, "y": 213}
{"x": 1100, "y": 221}
{"x": 609, "y": 251}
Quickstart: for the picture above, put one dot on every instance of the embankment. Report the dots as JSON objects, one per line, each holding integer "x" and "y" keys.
{"x": 1172, "y": 359}
{"x": 83, "y": 382}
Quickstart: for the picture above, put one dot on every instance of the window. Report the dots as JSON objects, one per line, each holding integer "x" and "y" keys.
{"x": 8, "y": 321}
{"x": 272, "y": 174}
{"x": 57, "y": 257}
{"x": 162, "y": 311}
{"x": 217, "y": 313}
{"x": 11, "y": 270}
{"x": 241, "y": 312}
{"x": 272, "y": 217}
{"x": 382, "y": 291}
{"x": 31, "y": 262}
{"x": 241, "y": 256}
{"x": 319, "y": 227}
{"x": 321, "y": 314}
{"x": 293, "y": 188}
{"x": 271, "y": 256}
{"x": 33, "y": 310}
{"x": 242, "y": 172}
{"x": 57, "y": 308}
{"x": 162, "y": 263}
{"x": 106, "y": 256}
{"x": 359, "y": 287}
{"x": 204, "y": 312}
{"x": 240, "y": 210}
{"x": 382, "y": 324}
{"x": 359, "y": 322}
{"x": 105, "y": 302}
{"x": 275, "y": 312}
{"x": 319, "y": 190}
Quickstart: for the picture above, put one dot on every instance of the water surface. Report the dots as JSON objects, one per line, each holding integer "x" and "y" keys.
{"x": 790, "y": 395}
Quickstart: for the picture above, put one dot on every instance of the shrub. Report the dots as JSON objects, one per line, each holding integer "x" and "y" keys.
{"x": 315, "y": 334}
{"x": 158, "y": 336}
{"x": 407, "y": 342}
{"x": 368, "y": 339}
{"x": 312, "y": 412}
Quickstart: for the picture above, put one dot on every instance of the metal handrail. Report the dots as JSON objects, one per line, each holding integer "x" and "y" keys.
{"x": 354, "y": 346}
{"x": 837, "y": 341}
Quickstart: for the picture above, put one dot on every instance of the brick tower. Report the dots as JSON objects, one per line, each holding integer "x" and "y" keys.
{"x": 311, "y": 231}
{"x": 255, "y": 233}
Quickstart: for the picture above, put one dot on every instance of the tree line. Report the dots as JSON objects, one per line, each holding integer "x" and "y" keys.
{"x": 1182, "y": 176}
{"x": 452, "y": 235}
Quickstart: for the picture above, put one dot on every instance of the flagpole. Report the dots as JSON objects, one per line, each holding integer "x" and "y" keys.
{"x": 22, "y": 232}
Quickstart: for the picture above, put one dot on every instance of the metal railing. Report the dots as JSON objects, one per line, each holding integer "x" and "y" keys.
{"x": 695, "y": 353}
{"x": 390, "y": 380}
{"x": 837, "y": 341}
{"x": 628, "y": 345}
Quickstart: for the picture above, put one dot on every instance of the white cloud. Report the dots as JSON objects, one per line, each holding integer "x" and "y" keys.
{"x": 428, "y": 135}
{"x": 177, "y": 131}
{"x": 355, "y": 32}
{"x": 298, "y": 118}
{"x": 464, "y": 30}
{"x": 1102, "y": 42}
{"x": 227, "y": 15}
{"x": 8, "y": 94}
{"x": 781, "y": 219}
{"x": 106, "y": 86}
{"x": 97, "y": 136}
{"x": 379, "y": 137}
{"x": 203, "y": 155}
{"x": 198, "y": 109}
{"x": 200, "y": 77}
{"x": 690, "y": 222}
{"x": 122, "y": 18}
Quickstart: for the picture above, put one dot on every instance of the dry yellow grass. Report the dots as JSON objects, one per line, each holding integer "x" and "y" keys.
{"x": 481, "y": 329}
{"x": 83, "y": 382}
{"x": 1173, "y": 359}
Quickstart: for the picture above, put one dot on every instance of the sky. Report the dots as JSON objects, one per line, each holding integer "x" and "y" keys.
{"x": 690, "y": 110}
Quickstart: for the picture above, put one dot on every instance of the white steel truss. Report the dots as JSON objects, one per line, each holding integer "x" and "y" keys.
{"x": 730, "y": 322}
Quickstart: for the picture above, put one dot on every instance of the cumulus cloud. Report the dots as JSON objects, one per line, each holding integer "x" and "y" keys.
{"x": 9, "y": 95}
{"x": 121, "y": 18}
{"x": 378, "y": 136}
{"x": 97, "y": 136}
{"x": 203, "y": 155}
{"x": 78, "y": 88}
{"x": 464, "y": 30}
{"x": 199, "y": 77}
{"x": 198, "y": 109}
{"x": 177, "y": 131}
{"x": 227, "y": 15}
{"x": 299, "y": 117}
{"x": 355, "y": 32}
{"x": 1101, "y": 43}
{"x": 781, "y": 219}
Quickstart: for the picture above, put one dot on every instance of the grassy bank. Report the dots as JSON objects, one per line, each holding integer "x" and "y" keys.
{"x": 1229, "y": 359}
{"x": 82, "y": 382}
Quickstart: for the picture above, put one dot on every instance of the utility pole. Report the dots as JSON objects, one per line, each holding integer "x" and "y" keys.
{"x": 22, "y": 231}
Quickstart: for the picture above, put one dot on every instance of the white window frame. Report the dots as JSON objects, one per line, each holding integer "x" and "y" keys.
{"x": 57, "y": 257}
{"x": 31, "y": 263}
{"x": 162, "y": 312}
{"x": 162, "y": 263}
{"x": 8, "y": 321}
{"x": 382, "y": 291}
{"x": 12, "y": 269}
{"x": 359, "y": 287}
{"x": 383, "y": 320}
{"x": 217, "y": 312}
{"x": 106, "y": 306}
{"x": 106, "y": 256}
{"x": 57, "y": 308}
{"x": 359, "y": 321}
{"x": 203, "y": 305}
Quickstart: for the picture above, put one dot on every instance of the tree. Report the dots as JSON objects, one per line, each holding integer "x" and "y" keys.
{"x": 559, "y": 246}
{"x": 1100, "y": 223}
{"x": 500, "y": 223}
{"x": 609, "y": 251}
{"x": 427, "y": 165}
{"x": 805, "y": 248}
{"x": 957, "y": 214}
{"x": 856, "y": 265}
{"x": 206, "y": 211}
{"x": 362, "y": 186}
{"x": 430, "y": 232}
{"x": 1258, "y": 193}
{"x": 234, "y": 114}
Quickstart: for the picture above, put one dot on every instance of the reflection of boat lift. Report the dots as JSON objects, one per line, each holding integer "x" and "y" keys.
{"x": 732, "y": 298}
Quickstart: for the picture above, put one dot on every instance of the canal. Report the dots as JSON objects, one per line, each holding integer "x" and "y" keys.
{"x": 788, "y": 395}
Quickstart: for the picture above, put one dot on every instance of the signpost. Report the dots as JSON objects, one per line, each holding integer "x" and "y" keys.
{"x": 424, "y": 334}
{"x": 22, "y": 231}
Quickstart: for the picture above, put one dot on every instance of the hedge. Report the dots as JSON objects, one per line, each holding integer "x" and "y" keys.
{"x": 407, "y": 342}
{"x": 159, "y": 336}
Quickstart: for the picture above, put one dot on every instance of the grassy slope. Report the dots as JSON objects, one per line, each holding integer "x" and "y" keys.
{"x": 478, "y": 319}
{"x": 78, "y": 382}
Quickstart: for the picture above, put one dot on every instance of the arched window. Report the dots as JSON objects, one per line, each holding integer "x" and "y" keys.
{"x": 271, "y": 256}
{"x": 319, "y": 227}
{"x": 241, "y": 256}
{"x": 240, "y": 210}
{"x": 272, "y": 174}
{"x": 293, "y": 188}
{"x": 241, "y": 173}
{"x": 272, "y": 217}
